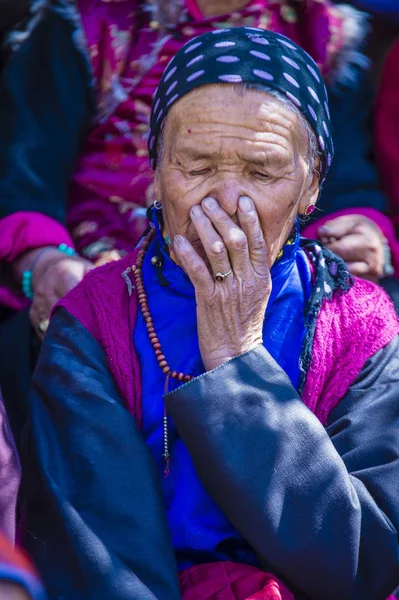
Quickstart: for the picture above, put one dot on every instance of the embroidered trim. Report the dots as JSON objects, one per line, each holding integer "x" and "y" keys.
{"x": 331, "y": 275}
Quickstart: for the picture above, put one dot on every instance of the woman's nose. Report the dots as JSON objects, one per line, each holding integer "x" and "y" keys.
{"x": 228, "y": 195}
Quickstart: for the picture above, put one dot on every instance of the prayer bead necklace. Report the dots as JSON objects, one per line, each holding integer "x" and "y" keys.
{"x": 137, "y": 270}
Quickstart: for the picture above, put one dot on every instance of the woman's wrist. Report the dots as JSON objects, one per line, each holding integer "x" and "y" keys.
{"x": 26, "y": 265}
{"x": 24, "y": 262}
{"x": 214, "y": 360}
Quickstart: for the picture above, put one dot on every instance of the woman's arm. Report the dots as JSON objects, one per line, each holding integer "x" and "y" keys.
{"x": 95, "y": 524}
{"x": 319, "y": 506}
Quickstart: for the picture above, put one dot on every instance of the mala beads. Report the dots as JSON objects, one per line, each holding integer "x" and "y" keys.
{"x": 156, "y": 344}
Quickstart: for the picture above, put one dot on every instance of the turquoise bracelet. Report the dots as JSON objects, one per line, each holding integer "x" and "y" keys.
{"x": 27, "y": 275}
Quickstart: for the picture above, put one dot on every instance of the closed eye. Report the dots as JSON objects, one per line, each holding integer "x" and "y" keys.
{"x": 199, "y": 172}
{"x": 261, "y": 175}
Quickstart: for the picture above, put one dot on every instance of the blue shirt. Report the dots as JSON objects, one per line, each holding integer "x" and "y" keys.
{"x": 200, "y": 531}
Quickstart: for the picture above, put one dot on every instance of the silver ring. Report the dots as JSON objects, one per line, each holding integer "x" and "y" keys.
{"x": 43, "y": 325}
{"x": 220, "y": 277}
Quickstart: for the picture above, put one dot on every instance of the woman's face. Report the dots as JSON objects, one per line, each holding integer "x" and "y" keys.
{"x": 224, "y": 143}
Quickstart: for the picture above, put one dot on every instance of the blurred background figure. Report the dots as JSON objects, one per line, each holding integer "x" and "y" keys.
{"x": 355, "y": 217}
{"x": 387, "y": 130}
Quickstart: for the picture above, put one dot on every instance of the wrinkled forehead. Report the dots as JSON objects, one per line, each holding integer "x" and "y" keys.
{"x": 226, "y": 119}
{"x": 222, "y": 105}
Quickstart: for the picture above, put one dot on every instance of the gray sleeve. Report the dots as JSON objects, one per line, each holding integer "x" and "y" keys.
{"x": 319, "y": 505}
{"x": 95, "y": 524}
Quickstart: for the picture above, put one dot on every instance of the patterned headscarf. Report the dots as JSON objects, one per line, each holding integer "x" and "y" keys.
{"x": 253, "y": 56}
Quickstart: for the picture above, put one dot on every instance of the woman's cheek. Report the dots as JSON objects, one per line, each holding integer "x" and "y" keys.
{"x": 277, "y": 211}
{"x": 276, "y": 204}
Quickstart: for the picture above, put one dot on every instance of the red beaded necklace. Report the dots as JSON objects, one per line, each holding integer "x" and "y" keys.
{"x": 152, "y": 334}
{"x": 156, "y": 344}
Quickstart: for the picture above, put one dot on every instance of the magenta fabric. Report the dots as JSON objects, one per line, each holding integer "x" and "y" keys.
{"x": 230, "y": 581}
{"x": 113, "y": 182}
{"x": 383, "y": 222}
{"x": 350, "y": 329}
{"x": 19, "y": 233}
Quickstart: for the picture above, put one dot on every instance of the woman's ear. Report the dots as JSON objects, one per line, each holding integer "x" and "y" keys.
{"x": 311, "y": 192}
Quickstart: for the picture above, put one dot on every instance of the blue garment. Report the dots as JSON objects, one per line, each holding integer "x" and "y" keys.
{"x": 378, "y": 6}
{"x": 200, "y": 531}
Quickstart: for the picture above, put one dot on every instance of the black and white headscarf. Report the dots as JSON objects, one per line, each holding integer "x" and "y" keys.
{"x": 247, "y": 55}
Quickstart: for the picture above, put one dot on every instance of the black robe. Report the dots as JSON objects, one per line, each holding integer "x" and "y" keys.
{"x": 320, "y": 505}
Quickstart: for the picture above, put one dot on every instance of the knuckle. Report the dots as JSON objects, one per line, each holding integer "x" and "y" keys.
{"x": 197, "y": 269}
{"x": 251, "y": 218}
{"x": 258, "y": 244}
{"x": 238, "y": 240}
{"x": 217, "y": 249}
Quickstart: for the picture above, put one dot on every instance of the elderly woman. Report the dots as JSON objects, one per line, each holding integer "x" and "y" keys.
{"x": 76, "y": 174}
{"x": 216, "y": 415}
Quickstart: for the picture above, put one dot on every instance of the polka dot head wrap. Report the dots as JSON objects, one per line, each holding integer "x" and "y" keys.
{"x": 252, "y": 56}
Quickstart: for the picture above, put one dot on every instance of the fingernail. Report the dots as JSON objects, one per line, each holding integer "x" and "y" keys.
{"x": 245, "y": 203}
{"x": 196, "y": 210}
{"x": 210, "y": 203}
{"x": 178, "y": 240}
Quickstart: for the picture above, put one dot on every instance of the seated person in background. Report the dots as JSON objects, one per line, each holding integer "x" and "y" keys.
{"x": 353, "y": 219}
{"x": 75, "y": 168}
{"x": 387, "y": 130}
{"x": 216, "y": 415}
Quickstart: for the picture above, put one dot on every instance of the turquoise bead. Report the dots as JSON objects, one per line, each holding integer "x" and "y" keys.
{"x": 66, "y": 250}
{"x": 26, "y": 283}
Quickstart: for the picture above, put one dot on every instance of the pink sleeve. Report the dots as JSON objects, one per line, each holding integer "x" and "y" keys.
{"x": 19, "y": 233}
{"x": 383, "y": 222}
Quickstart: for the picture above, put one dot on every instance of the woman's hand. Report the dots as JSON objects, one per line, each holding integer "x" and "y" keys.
{"x": 359, "y": 242}
{"x": 54, "y": 275}
{"x": 230, "y": 314}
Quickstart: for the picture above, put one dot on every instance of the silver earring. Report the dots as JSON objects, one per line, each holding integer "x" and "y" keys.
{"x": 157, "y": 205}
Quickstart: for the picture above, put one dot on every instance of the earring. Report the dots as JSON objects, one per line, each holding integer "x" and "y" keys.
{"x": 157, "y": 205}
{"x": 309, "y": 209}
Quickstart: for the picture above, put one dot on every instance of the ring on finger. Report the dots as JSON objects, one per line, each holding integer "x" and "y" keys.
{"x": 43, "y": 325}
{"x": 220, "y": 277}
